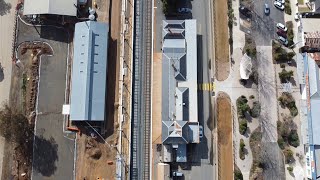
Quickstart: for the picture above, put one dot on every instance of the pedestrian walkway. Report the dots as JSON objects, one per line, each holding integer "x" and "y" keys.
{"x": 6, "y": 33}
{"x": 206, "y": 87}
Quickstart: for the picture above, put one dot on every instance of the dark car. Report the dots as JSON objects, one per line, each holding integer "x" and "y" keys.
{"x": 282, "y": 33}
{"x": 245, "y": 11}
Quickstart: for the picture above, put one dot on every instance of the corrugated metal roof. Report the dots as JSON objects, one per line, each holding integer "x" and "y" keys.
{"x": 315, "y": 120}
{"x": 60, "y": 7}
{"x": 89, "y": 71}
{"x": 313, "y": 70}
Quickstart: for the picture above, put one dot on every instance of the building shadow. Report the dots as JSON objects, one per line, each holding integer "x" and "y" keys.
{"x": 4, "y": 8}
{"x": 55, "y": 34}
{"x": 45, "y": 156}
{"x": 111, "y": 86}
{"x": 1, "y": 74}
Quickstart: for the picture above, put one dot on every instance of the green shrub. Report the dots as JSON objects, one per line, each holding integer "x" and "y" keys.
{"x": 288, "y": 156}
{"x": 293, "y": 111}
{"x": 293, "y": 138}
{"x": 251, "y": 96}
{"x": 281, "y": 143}
{"x": 238, "y": 175}
{"x": 256, "y": 109}
{"x": 242, "y": 149}
{"x": 285, "y": 75}
{"x": 243, "y": 126}
{"x": 282, "y": 65}
{"x": 242, "y": 106}
{"x": 290, "y": 169}
{"x": 287, "y": 8}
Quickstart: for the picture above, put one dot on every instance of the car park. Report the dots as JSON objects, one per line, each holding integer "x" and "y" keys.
{"x": 282, "y": 27}
{"x": 266, "y": 9}
{"x": 278, "y": 5}
{"x": 184, "y": 10}
{"x": 283, "y": 40}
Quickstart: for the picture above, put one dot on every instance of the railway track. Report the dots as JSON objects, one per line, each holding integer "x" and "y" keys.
{"x": 141, "y": 114}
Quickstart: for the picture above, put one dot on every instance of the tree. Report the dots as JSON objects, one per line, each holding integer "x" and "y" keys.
{"x": 293, "y": 138}
{"x": 285, "y": 75}
{"x": 14, "y": 126}
{"x": 242, "y": 106}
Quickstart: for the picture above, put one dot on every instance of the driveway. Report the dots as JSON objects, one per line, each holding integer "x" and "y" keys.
{"x": 53, "y": 150}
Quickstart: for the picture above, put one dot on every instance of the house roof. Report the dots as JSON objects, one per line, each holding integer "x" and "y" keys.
{"x": 179, "y": 71}
{"x": 89, "y": 71}
{"x": 60, "y": 7}
{"x": 174, "y": 132}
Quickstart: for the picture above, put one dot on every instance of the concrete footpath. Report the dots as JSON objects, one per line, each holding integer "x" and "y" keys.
{"x": 7, "y": 11}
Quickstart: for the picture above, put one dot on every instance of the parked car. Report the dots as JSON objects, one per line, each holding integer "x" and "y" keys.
{"x": 283, "y": 40}
{"x": 282, "y": 27}
{"x": 278, "y": 5}
{"x": 266, "y": 9}
{"x": 184, "y": 10}
{"x": 281, "y": 1}
{"x": 245, "y": 11}
{"x": 282, "y": 33}
{"x": 200, "y": 132}
{"x": 177, "y": 174}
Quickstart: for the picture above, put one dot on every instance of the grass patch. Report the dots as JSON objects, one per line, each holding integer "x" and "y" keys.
{"x": 230, "y": 24}
{"x": 290, "y": 34}
{"x": 255, "y": 145}
{"x": 300, "y": 2}
{"x": 250, "y": 47}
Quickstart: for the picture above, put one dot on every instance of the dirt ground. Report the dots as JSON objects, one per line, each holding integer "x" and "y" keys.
{"x": 225, "y": 147}
{"x": 95, "y": 167}
{"x": 156, "y": 99}
{"x": 221, "y": 40}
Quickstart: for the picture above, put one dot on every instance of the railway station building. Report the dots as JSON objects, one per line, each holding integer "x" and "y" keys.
{"x": 180, "y": 124}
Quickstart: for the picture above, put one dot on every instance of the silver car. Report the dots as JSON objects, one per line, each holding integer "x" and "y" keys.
{"x": 278, "y": 5}
{"x": 266, "y": 9}
{"x": 283, "y": 40}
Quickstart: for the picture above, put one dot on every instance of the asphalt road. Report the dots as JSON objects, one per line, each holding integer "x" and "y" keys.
{"x": 264, "y": 26}
{"x": 53, "y": 150}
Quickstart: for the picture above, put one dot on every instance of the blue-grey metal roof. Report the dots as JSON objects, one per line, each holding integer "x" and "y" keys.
{"x": 315, "y": 120}
{"x": 317, "y": 159}
{"x": 181, "y": 153}
{"x": 89, "y": 71}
